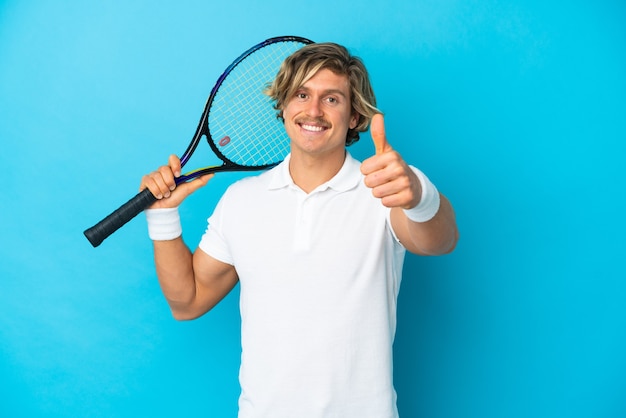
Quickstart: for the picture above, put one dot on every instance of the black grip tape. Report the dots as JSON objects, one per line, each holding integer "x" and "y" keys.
{"x": 100, "y": 231}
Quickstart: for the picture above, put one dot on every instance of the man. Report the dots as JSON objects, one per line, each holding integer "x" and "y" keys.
{"x": 317, "y": 245}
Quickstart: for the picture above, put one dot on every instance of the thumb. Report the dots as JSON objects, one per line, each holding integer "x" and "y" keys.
{"x": 195, "y": 184}
{"x": 377, "y": 130}
{"x": 184, "y": 189}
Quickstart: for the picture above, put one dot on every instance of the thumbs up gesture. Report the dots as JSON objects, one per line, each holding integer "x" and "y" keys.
{"x": 387, "y": 174}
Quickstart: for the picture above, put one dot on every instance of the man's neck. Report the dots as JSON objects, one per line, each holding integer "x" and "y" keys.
{"x": 308, "y": 172}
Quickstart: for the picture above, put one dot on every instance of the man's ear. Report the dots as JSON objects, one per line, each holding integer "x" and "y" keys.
{"x": 354, "y": 120}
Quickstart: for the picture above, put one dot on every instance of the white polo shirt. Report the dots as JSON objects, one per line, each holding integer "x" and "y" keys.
{"x": 319, "y": 276}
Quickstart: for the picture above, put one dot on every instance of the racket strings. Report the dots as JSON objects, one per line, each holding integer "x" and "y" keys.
{"x": 248, "y": 102}
{"x": 243, "y": 113}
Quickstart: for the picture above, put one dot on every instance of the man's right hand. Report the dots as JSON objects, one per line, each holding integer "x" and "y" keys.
{"x": 163, "y": 186}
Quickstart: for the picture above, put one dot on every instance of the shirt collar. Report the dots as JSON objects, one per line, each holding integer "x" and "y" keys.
{"x": 347, "y": 178}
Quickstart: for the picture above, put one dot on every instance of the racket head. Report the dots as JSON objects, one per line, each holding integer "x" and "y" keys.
{"x": 239, "y": 121}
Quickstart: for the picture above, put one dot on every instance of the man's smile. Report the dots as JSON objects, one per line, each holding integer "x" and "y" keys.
{"x": 312, "y": 125}
{"x": 312, "y": 128}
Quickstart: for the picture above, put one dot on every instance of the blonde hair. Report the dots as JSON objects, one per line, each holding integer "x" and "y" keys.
{"x": 302, "y": 65}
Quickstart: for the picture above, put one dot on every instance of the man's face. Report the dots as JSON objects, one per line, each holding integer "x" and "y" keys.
{"x": 318, "y": 116}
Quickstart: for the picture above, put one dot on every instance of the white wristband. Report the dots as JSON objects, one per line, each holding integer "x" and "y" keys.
{"x": 163, "y": 224}
{"x": 428, "y": 206}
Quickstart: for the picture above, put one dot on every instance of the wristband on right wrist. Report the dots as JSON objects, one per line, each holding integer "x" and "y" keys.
{"x": 163, "y": 224}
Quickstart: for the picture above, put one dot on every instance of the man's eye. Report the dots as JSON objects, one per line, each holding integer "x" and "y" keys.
{"x": 301, "y": 95}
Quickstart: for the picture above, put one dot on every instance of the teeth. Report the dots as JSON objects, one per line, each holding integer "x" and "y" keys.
{"x": 312, "y": 128}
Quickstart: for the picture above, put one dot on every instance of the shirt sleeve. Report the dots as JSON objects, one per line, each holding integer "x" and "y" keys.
{"x": 388, "y": 221}
{"x": 213, "y": 241}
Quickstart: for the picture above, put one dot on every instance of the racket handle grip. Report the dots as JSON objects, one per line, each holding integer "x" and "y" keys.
{"x": 118, "y": 218}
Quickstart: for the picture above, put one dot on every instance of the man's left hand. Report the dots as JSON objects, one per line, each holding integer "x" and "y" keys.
{"x": 387, "y": 174}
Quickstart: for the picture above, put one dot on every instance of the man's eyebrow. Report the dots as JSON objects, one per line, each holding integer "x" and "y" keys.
{"x": 335, "y": 91}
{"x": 324, "y": 92}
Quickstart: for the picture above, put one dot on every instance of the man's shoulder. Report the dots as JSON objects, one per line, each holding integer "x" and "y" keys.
{"x": 252, "y": 183}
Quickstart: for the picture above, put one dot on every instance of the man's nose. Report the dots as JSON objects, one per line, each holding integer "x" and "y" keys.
{"x": 314, "y": 108}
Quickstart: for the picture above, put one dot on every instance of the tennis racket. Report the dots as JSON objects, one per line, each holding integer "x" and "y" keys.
{"x": 238, "y": 121}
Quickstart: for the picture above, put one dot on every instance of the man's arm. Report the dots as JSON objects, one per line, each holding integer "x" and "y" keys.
{"x": 191, "y": 283}
{"x": 434, "y": 237}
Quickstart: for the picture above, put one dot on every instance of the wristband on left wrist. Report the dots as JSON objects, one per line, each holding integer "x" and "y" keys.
{"x": 428, "y": 205}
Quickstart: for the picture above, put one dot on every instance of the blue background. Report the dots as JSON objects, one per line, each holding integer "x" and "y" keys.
{"x": 515, "y": 109}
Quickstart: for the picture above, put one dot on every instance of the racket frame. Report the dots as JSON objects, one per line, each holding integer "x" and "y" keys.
{"x": 118, "y": 218}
